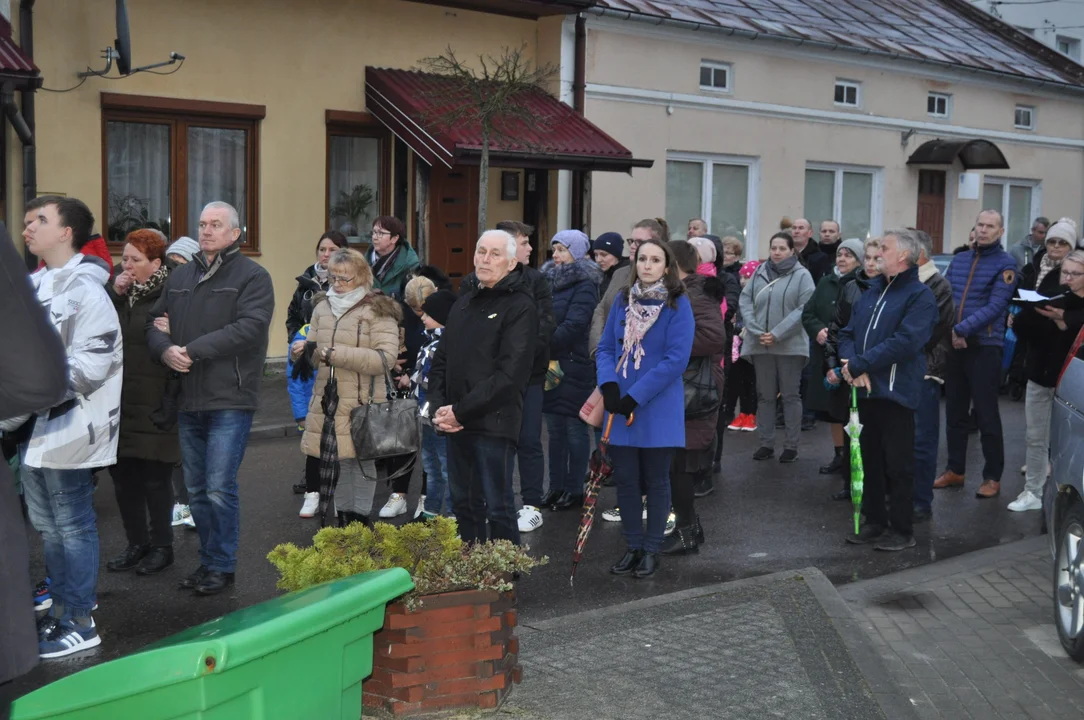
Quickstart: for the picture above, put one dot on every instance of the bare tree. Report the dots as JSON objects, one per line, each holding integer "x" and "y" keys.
{"x": 491, "y": 96}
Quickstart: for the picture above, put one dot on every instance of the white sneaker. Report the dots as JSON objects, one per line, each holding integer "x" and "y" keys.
{"x": 1026, "y": 501}
{"x": 612, "y": 515}
{"x": 528, "y": 518}
{"x": 421, "y": 507}
{"x": 1024, "y": 469}
{"x": 311, "y": 504}
{"x": 186, "y": 517}
{"x": 671, "y": 523}
{"x": 178, "y": 519}
{"x": 395, "y": 506}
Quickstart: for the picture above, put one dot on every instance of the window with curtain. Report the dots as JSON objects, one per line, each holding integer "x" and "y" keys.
{"x": 166, "y": 159}
{"x": 842, "y": 194}
{"x": 725, "y": 208}
{"x": 1017, "y": 201}
{"x": 353, "y": 182}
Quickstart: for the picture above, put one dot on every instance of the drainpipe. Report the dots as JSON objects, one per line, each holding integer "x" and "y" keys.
{"x": 579, "y": 91}
{"x": 30, "y": 158}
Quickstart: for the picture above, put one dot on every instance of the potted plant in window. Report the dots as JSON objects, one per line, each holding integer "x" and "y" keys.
{"x": 354, "y": 206}
{"x": 128, "y": 213}
{"x": 449, "y": 643}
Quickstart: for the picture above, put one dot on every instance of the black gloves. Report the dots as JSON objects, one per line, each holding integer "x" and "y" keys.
{"x": 611, "y": 396}
{"x": 626, "y": 405}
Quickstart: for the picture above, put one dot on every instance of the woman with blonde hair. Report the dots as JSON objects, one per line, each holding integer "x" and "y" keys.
{"x": 355, "y": 330}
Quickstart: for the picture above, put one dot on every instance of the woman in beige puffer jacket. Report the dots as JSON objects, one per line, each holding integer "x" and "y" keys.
{"x": 352, "y": 326}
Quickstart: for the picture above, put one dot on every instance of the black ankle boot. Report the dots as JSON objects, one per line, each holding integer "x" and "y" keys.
{"x": 699, "y": 531}
{"x": 628, "y": 562}
{"x": 647, "y": 566}
{"x": 157, "y": 560}
{"x": 347, "y": 517}
{"x": 681, "y": 542}
{"x": 703, "y": 486}
{"x": 835, "y": 466}
{"x": 844, "y": 493}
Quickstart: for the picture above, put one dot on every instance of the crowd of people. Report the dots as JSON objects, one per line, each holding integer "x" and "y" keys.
{"x": 682, "y": 340}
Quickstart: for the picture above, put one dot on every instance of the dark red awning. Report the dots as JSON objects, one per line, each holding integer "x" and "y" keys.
{"x": 412, "y": 104}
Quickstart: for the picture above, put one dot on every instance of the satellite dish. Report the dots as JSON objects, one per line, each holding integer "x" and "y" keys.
{"x": 123, "y": 43}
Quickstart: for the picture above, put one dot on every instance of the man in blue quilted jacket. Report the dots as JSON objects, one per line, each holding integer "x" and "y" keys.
{"x": 983, "y": 282}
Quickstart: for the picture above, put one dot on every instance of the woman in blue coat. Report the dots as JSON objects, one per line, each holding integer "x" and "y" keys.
{"x": 641, "y": 356}
{"x": 574, "y": 279}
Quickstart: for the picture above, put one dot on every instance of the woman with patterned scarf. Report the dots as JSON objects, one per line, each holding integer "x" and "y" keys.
{"x": 145, "y": 454}
{"x": 643, "y": 351}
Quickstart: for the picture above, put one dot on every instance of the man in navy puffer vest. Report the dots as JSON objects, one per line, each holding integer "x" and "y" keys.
{"x": 983, "y": 282}
{"x": 884, "y": 357}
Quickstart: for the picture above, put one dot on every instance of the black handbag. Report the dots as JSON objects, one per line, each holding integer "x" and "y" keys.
{"x": 702, "y": 396}
{"x": 387, "y": 429}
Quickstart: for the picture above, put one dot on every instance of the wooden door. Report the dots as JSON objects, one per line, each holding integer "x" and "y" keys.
{"x": 931, "y": 206}
{"x": 453, "y": 219}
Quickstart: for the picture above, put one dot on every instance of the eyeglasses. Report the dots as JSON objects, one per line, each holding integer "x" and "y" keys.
{"x": 731, "y": 253}
{"x": 337, "y": 279}
{"x": 378, "y": 233}
{"x": 1070, "y": 274}
{"x": 1059, "y": 241}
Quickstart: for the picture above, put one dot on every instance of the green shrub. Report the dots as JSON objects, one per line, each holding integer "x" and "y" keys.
{"x": 438, "y": 561}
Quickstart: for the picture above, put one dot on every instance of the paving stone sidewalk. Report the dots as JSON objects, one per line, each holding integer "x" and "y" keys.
{"x": 781, "y": 645}
{"x": 973, "y": 637}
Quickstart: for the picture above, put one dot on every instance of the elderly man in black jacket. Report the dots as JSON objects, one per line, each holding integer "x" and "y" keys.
{"x": 35, "y": 377}
{"x": 210, "y": 325}
{"x": 481, "y": 367}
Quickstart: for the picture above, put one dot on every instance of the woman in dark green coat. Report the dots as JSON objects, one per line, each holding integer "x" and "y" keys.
{"x": 146, "y": 453}
{"x": 818, "y": 314}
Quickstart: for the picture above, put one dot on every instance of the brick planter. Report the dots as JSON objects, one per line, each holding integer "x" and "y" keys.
{"x": 458, "y": 651}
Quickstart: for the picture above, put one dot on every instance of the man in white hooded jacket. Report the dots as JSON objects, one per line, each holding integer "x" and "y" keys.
{"x": 73, "y": 438}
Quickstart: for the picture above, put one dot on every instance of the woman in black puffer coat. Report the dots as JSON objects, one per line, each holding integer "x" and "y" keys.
{"x": 575, "y": 281}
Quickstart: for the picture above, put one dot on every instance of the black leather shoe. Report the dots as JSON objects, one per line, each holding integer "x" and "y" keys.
{"x": 301, "y": 488}
{"x": 214, "y": 582}
{"x": 788, "y": 456}
{"x": 870, "y": 533}
{"x": 835, "y": 466}
{"x": 647, "y": 566}
{"x": 844, "y": 494}
{"x": 628, "y": 562}
{"x": 763, "y": 453}
{"x": 703, "y": 486}
{"x": 921, "y": 514}
{"x": 569, "y": 501}
{"x": 157, "y": 560}
{"x": 681, "y": 542}
{"x": 128, "y": 559}
{"x": 190, "y": 582}
{"x": 550, "y": 498}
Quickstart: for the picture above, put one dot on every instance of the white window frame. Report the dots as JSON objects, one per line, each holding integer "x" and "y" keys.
{"x": 939, "y": 96}
{"x": 1006, "y": 183}
{"x": 752, "y": 203}
{"x": 1031, "y": 109}
{"x": 714, "y": 65}
{"x": 1072, "y": 50}
{"x": 877, "y": 200}
{"x": 847, "y": 84}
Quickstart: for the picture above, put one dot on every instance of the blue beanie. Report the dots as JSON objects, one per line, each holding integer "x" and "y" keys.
{"x": 576, "y": 242}
{"x": 610, "y": 242}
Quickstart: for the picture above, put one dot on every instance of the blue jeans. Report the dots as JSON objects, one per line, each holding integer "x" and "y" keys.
{"x": 61, "y": 505}
{"x": 569, "y": 450}
{"x": 927, "y": 438}
{"x": 480, "y": 484}
{"x": 529, "y": 450}
{"x": 435, "y": 462}
{"x": 212, "y": 448}
{"x": 647, "y": 468}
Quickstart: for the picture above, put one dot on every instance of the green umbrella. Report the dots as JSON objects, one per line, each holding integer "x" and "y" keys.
{"x": 854, "y": 429}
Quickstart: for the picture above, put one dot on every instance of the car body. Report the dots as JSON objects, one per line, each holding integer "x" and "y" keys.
{"x": 941, "y": 262}
{"x": 1063, "y": 502}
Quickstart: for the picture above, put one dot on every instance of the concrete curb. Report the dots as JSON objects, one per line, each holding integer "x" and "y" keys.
{"x": 274, "y": 431}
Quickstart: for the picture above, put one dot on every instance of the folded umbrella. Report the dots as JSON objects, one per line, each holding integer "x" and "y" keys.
{"x": 858, "y": 475}
{"x": 329, "y": 446}
{"x": 598, "y": 470}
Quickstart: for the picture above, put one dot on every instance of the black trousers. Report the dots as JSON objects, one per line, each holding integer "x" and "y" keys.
{"x": 7, "y": 695}
{"x": 973, "y": 375}
{"x": 741, "y": 387}
{"x": 888, "y": 461}
{"x": 144, "y": 488}
{"x": 682, "y": 498}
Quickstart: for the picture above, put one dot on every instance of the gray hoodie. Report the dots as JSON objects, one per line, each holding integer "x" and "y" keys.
{"x": 776, "y": 307}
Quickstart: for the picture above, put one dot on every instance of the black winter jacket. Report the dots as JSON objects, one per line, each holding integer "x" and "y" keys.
{"x": 849, "y": 294}
{"x": 221, "y": 314}
{"x": 1047, "y": 346}
{"x": 817, "y": 263}
{"x": 539, "y": 288}
{"x": 300, "y": 311}
{"x": 608, "y": 275}
{"x": 483, "y": 362}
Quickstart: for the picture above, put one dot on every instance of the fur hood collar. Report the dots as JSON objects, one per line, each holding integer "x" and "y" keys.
{"x": 380, "y": 304}
{"x": 564, "y": 276}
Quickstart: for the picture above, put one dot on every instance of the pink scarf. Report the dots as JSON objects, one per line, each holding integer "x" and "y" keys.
{"x": 638, "y": 320}
{"x": 709, "y": 270}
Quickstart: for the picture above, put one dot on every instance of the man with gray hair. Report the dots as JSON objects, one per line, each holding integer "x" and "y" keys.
{"x": 882, "y": 349}
{"x": 210, "y": 327}
{"x": 476, "y": 388}
{"x": 1024, "y": 251}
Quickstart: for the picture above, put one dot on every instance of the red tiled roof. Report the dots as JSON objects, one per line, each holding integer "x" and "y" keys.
{"x": 12, "y": 59}
{"x": 950, "y": 32}
{"x": 414, "y": 105}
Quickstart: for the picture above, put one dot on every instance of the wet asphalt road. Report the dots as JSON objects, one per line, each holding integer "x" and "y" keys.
{"x": 763, "y": 517}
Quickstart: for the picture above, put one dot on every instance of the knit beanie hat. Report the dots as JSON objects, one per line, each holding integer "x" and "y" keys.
{"x": 749, "y": 268}
{"x": 1064, "y": 229}
{"x": 439, "y": 305}
{"x": 577, "y": 243}
{"x": 186, "y": 247}
{"x": 857, "y": 248}
{"x": 610, "y": 242}
{"x": 705, "y": 248}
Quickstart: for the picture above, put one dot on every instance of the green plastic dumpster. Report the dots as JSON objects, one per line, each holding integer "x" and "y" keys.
{"x": 299, "y": 656}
